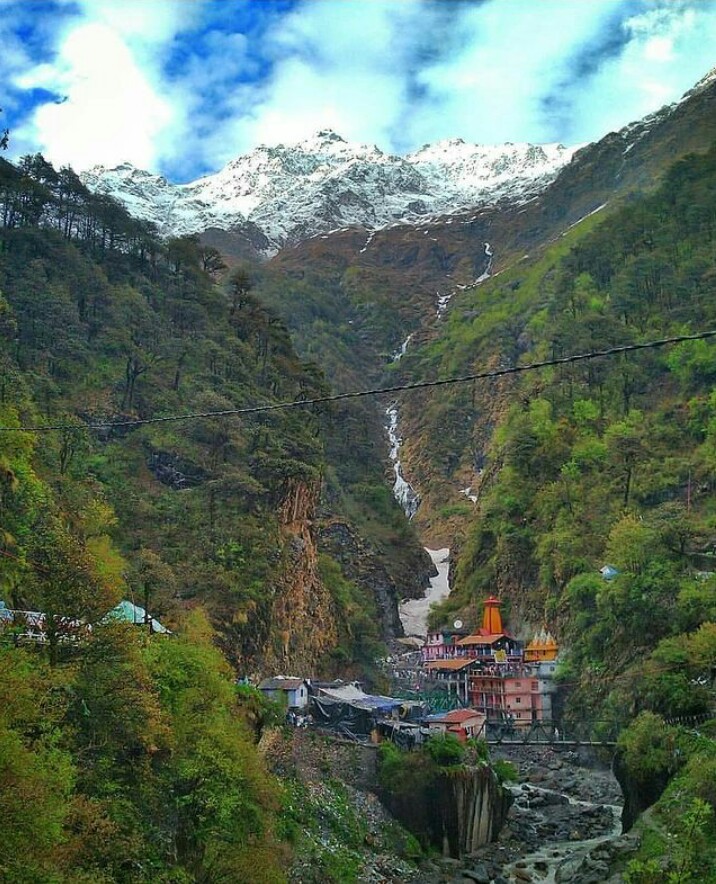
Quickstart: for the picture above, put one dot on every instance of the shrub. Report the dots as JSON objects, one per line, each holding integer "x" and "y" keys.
{"x": 649, "y": 748}
{"x": 505, "y": 771}
{"x": 446, "y": 750}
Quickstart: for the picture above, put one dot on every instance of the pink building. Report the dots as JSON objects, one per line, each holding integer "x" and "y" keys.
{"x": 442, "y": 644}
{"x": 489, "y": 642}
{"x": 514, "y": 693}
{"x": 493, "y": 671}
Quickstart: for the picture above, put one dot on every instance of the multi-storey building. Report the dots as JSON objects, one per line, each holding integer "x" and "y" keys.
{"x": 494, "y": 672}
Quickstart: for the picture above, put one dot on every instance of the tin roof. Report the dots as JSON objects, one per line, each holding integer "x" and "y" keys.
{"x": 455, "y": 716}
{"x": 354, "y": 696}
{"x": 131, "y": 613}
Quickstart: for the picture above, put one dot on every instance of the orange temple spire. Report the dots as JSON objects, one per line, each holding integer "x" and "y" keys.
{"x": 491, "y": 618}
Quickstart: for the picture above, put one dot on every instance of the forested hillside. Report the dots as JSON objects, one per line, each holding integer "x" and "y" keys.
{"x": 269, "y": 541}
{"x": 104, "y": 324}
{"x": 605, "y": 462}
{"x": 125, "y": 756}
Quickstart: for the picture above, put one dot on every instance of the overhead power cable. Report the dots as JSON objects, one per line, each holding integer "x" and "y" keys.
{"x": 358, "y": 394}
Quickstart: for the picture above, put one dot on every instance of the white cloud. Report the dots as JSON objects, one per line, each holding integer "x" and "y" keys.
{"x": 151, "y": 21}
{"x": 512, "y": 55}
{"x": 106, "y": 69}
{"x": 110, "y": 110}
{"x": 395, "y": 73}
{"x": 668, "y": 49}
{"x": 337, "y": 65}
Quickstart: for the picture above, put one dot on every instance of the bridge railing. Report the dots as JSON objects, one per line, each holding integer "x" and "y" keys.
{"x": 591, "y": 732}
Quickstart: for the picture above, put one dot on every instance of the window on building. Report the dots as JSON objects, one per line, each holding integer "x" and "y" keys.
{"x": 518, "y": 699}
{"x": 518, "y": 684}
{"x": 535, "y": 685}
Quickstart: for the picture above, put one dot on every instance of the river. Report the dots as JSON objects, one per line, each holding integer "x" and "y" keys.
{"x": 564, "y": 826}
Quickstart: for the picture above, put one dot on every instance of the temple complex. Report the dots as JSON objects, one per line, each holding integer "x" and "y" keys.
{"x": 492, "y": 671}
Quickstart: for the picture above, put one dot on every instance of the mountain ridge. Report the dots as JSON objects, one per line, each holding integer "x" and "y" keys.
{"x": 292, "y": 192}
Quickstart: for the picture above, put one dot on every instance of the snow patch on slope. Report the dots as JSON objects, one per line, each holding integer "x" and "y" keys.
{"x": 414, "y": 613}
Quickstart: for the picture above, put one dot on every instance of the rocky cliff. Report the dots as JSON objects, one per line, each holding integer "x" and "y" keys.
{"x": 639, "y": 794}
{"x": 294, "y": 627}
{"x": 361, "y": 563}
{"x": 456, "y": 811}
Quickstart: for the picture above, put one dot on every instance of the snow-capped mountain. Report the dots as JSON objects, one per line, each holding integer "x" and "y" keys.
{"x": 292, "y": 192}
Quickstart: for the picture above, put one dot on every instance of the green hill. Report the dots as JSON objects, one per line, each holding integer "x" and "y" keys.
{"x": 125, "y": 756}
{"x": 101, "y": 324}
{"x": 602, "y": 462}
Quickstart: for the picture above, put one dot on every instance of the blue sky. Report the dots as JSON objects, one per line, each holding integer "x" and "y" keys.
{"x": 182, "y": 86}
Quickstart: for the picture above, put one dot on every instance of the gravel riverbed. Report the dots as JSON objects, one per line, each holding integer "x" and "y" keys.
{"x": 564, "y": 826}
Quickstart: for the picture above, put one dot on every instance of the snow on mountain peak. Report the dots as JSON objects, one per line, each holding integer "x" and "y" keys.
{"x": 324, "y": 182}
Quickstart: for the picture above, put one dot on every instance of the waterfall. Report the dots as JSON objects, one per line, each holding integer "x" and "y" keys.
{"x": 398, "y": 355}
{"x": 488, "y": 270}
{"x": 403, "y": 492}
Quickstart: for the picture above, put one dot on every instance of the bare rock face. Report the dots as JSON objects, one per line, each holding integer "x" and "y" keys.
{"x": 291, "y": 627}
{"x": 361, "y": 565}
{"x": 457, "y": 812}
{"x": 171, "y": 470}
{"x": 302, "y": 615}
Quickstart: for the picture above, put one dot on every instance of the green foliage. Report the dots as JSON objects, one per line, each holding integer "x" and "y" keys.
{"x": 134, "y": 763}
{"x": 650, "y": 749}
{"x": 683, "y": 851}
{"x": 445, "y": 750}
{"x": 326, "y": 832}
{"x": 404, "y": 773}
{"x": 597, "y": 462}
{"x": 145, "y": 769}
{"x": 36, "y": 772}
{"x": 360, "y": 629}
{"x": 105, "y": 322}
{"x": 505, "y": 770}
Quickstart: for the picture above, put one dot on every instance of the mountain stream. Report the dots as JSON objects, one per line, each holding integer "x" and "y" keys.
{"x": 564, "y": 825}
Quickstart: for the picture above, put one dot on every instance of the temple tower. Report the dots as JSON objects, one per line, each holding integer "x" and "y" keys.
{"x": 491, "y": 618}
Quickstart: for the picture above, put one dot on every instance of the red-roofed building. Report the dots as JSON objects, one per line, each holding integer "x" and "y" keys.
{"x": 464, "y": 723}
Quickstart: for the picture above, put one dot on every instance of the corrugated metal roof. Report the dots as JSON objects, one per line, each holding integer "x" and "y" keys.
{"x": 354, "y": 696}
{"x": 131, "y": 613}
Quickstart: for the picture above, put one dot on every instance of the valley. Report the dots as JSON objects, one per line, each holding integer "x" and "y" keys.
{"x": 155, "y": 340}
